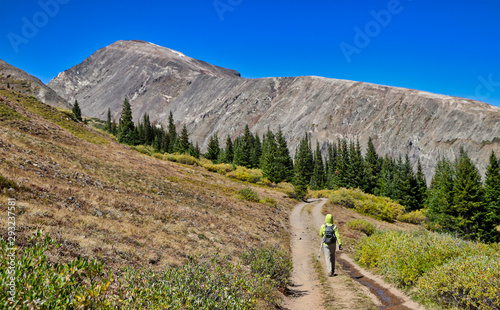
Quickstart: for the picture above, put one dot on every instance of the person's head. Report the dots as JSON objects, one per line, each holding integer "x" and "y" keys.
{"x": 329, "y": 219}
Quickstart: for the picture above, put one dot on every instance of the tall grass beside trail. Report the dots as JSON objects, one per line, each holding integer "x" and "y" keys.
{"x": 210, "y": 282}
{"x": 443, "y": 270}
{"x": 381, "y": 208}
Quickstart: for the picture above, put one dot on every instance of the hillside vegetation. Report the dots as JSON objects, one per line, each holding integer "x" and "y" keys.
{"x": 443, "y": 270}
{"x": 143, "y": 220}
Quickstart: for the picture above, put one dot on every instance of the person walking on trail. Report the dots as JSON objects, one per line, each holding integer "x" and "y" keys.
{"x": 330, "y": 235}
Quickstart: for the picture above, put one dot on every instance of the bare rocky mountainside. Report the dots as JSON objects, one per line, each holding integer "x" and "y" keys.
{"x": 210, "y": 99}
{"x": 32, "y": 85}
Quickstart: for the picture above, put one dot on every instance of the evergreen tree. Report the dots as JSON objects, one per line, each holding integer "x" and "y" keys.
{"x": 108, "y": 122}
{"x": 387, "y": 181}
{"x": 269, "y": 160}
{"x": 165, "y": 143}
{"x": 406, "y": 185}
{"x": 172, "y": 134}
{"x": 331, "y": 166}
{"x": 213, "y": 148}
{"x": 342, "y": 175}
{"x": 421, "y": 187}
{"x": 303, "y": 167}
{"x": 372, "y": 168}
{"x": 183, "y": 141}
{"x": 147, "y": 133}
{"x": 318, "y": 176}
{"x": 244, "y": 149}
{"x": 126, "y": 128}
{"x": 76, "y": 111}
{"x": 194, "y": 150}
{"x": 229, "y": 151}
{"x": 256, "y": 152}
{"x": 492, "y": 200}
{"x": 468, "y": 202}
{"x": 285, "y": 163}
{"x": 357, "y": 172}
{"x": 440, "y": 195}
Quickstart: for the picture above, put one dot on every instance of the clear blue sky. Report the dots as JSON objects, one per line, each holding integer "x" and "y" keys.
{"x": 447, "y": 47}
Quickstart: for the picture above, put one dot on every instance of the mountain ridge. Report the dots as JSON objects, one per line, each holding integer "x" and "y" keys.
{"x": 36, "y": 87}
{"x": 209, "y": 99}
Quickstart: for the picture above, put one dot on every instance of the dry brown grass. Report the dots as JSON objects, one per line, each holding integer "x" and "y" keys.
{"x": 125, "y": 208}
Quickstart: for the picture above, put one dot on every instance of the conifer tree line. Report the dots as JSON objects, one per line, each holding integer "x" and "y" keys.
{"x": 457, "y": 201}
{"x": 147, "y": 133}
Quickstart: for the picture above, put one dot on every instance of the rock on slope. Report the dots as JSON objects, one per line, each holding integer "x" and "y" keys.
{"x": 211, "y": 99}
{"x": 38, "y": 89}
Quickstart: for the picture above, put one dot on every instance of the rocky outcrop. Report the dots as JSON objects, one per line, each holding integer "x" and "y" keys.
{"x": 209, "y": 99}
{"x": 37, "y": 88}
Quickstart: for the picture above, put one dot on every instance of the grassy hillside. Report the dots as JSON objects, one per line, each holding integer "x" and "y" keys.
{"x": 103, "y": 200}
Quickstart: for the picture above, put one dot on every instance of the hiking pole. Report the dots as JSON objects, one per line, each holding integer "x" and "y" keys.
{"x": 320, "y": 247}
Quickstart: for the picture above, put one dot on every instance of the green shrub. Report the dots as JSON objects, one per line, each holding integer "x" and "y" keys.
{"x": 144, "y": 149}
{"x": 212, "y": 284}
{"x": 287, "y": 188}
{"x": 381, "y": 208}
{"x": 245, "y": 174}
{"x": 324, "y": 193}
{"x": 271, "y": 262}
{"x": 8, "y": 113}
{"x": 415, "y": 217}
{"x": 6, "y": 183}
{"x": 77, "y": 284}
{"x": 219, "y": 168}
{"x": 404, "y": 257}
{"x": 182, "y": 159}
{"x": 248, "y": 194}
{"x": 362, "y": 225}
{"x": 269, "y": 201}
{"x": 471, "y": 282}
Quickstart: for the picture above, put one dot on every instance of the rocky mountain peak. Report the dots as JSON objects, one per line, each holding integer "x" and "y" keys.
{"x": 209, "y": 99}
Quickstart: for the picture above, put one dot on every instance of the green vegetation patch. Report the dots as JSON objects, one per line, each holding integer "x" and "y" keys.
{"x": 445, "y": 270}
{"x": 61, "y": 118}
{"x": 415, "y": 217}
{"x": 362, "y": 225}
{"x": 248, "y": 194}
{"x": 246, "y": 174}
{"x": 211, "y": 282}
{"x": 381, "y": 208}
{"x": 77, "y": 284}
{"x": 8, "y": 113}
{"x": 270, "y": 262}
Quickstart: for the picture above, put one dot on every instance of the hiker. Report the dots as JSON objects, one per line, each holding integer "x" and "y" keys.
{"x": 330, "y": 235}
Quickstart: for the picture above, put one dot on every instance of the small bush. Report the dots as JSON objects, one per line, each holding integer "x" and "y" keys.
{"x": 271, "y": 262}
{"x": 6, "y": 183}
{"x": 404, "y": 257}
{"x": 77, "y": 284}
{"x": 182, "y": 159}
{"x": 144, "y": 149}
{"x": 415, "y": 217}
{"x": 269, "y": 201}
{"x": 381, "y": 208}
{"x": 471, "y": 282}
{"x": 324, "y": 193}
{"x": 248, "y": 194}
{"x": 245, "y": 174}
{"x": 287, "y": 188}
{"x": 219, "y": 168}
{"x": 362, "y": 225}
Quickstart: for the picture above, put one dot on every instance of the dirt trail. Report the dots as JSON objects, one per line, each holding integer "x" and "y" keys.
{"x": 353, "y": 288}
